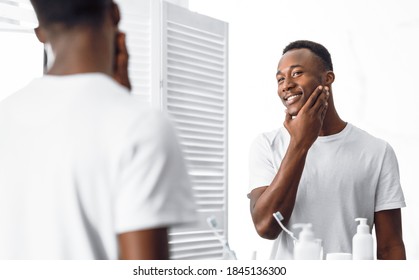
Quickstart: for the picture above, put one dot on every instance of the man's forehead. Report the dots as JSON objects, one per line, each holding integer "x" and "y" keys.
{"x": 300, "y": 57}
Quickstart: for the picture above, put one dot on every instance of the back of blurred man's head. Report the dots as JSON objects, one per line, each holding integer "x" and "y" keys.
{"x": 70, "y": 13}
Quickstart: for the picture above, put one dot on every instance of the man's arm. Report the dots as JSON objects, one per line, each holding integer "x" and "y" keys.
{"x": 388, "y": 229}
{"x": 149, "y": 244}
{"x": 280, "y": 195}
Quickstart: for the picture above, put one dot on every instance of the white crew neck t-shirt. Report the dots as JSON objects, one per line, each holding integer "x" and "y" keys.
{"x": 347, "y": 175}
{"x": 81, "y": 161}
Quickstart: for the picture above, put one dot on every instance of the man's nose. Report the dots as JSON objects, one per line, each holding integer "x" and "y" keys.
{"x": 287, "y": 84}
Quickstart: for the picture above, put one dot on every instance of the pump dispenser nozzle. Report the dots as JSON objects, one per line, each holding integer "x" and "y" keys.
{"x": 362, "y": 242}
{"x": 307, "y": 247}
{"x": 363, "y": 226}
{"x": 306, "y": 232}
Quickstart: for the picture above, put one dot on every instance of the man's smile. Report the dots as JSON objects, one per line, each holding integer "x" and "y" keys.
{"x": 292, "y": 98}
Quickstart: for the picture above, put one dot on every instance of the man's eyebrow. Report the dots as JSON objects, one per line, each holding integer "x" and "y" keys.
{"x": 291, "y": 67}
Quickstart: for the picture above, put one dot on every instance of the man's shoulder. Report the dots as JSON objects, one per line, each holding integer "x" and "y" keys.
{"x": 367, "y": 141}
{"x": 94, "y": 97}
{"x": 280, "y": 134}
{"x": 274, "y": 140}
{"x": 363, "y": 135}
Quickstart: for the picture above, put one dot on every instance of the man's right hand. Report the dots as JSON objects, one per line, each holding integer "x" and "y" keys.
{"x": 305, "y": 127}
{"x": 120, "y": 71}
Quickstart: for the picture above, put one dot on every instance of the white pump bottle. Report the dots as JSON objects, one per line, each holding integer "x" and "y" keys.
{"x": 362, "y": 242}
{"x": 306, "y": 248}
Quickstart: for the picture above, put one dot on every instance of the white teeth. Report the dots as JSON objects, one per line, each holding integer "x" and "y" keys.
{"x": 292, "y": 97}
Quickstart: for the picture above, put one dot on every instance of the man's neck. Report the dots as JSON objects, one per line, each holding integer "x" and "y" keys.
{"x": 332, "y": 123}
{"x": 81, "y": 51}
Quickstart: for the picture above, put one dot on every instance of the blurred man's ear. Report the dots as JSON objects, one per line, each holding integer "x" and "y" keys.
{"x": 116, "y": 16}
{"x": 40, "y": 34}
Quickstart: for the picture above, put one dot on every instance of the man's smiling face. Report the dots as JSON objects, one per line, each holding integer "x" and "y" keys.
{"x": 299, "y": 72}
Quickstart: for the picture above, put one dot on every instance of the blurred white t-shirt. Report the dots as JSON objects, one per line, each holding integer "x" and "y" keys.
{"x": 346, "y": 175}
{"x": 81, "y": 161}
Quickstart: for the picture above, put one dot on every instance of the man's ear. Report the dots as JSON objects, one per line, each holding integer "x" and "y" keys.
{"x": 116, "y": 16}
{"x": 40, "y": 34}
{"x": 330, "y": 78}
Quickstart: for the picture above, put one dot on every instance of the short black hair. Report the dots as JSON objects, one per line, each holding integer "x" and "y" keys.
{"x": 315, "y": 48}
{"x": 70, "y": 13}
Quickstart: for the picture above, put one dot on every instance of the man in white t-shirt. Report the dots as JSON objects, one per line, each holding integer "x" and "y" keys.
{"x": 85, "y": 171}
{"x": 321, "y": 170}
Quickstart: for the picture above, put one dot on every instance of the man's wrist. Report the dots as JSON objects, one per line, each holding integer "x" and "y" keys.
{"x": 299, "y": 148}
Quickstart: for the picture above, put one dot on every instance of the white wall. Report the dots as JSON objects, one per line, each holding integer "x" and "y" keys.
{"x": 19, "y": 64}
{"x": 181, "y": 3}
{"x": 374, "y": 48}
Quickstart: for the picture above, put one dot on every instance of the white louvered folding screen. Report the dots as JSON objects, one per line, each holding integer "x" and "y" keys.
{"x": 194, "y": 66}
